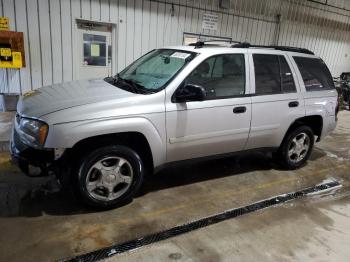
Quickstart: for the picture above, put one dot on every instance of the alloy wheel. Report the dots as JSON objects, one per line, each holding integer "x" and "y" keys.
{"x": 298, "y": 147}
{"x": 109, "y": 178}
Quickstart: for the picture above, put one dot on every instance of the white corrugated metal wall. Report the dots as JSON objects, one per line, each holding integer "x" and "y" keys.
{"x": 141, "y": 25}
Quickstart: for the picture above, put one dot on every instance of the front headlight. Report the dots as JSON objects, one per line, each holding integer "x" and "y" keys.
{"x": 34, "y": 132}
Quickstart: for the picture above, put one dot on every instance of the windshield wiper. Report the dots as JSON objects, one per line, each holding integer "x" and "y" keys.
{"x": 114, "y": 79}
{"x": 141, "y": 88}
{"x": 137, "y": 88}
{"x": 131, "y": 85}
{"x": 110, "y": 79}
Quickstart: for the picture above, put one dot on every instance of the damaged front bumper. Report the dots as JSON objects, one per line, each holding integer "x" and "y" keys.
{"x": 32, "y": 162}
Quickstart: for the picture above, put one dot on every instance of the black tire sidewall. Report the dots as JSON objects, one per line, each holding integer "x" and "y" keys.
{"x": 91, "y": 158}
{"x": 283, "y": 151}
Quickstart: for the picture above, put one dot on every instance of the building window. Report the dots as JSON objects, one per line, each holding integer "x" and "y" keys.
{"x": 95, "y": 50}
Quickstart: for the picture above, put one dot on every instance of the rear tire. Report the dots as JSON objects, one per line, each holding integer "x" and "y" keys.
{"x": 296, "y": 147}
{"x": 108, "y": 177}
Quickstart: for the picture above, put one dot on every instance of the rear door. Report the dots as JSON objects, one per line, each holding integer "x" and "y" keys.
{"x": 276, "y": 99}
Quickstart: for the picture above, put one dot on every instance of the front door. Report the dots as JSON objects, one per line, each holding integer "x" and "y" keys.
{"x": 221, "y": 123}
{"x": 93, "y": 54}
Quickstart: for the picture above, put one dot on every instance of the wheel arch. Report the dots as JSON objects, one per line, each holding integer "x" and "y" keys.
{"x": 315, "y": 122}
{"x": 135, "y": 140}
{"x": 136, "y": 131}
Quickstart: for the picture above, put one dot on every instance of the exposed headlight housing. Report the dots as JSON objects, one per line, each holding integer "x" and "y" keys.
{"x": 33, "y": 132}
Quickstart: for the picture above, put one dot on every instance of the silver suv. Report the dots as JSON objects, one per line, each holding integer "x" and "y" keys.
{"x": 173, "y": 104}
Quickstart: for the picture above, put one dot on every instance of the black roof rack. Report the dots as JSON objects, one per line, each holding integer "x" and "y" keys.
{"x": 200, "y": 44}
{"x": 282, "y": 48}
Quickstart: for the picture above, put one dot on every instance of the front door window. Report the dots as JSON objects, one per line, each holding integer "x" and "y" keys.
{"x": 222, "y": 76}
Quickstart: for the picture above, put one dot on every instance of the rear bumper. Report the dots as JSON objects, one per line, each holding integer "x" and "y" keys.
{"x": 32, "y": 162}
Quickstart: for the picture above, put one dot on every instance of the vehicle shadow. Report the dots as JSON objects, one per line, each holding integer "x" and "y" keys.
{"x": 212, "y": 169}
{"x": 33, "y": 197}
{"x": 189, "y": 173}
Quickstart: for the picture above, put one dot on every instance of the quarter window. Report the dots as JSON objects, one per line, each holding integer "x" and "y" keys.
{"x": 222, "y": 76}
{"x": 315, "y": 73}
{"x": 272, "y": 74}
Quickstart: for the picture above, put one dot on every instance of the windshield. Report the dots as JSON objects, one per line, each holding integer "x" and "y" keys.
{"x": 155, "y": 69}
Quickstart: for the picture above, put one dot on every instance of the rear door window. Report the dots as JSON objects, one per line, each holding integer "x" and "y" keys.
{"x": 315, "y": 73}
{"x": 272, "y": 75}
{"x": 267, "y": 74}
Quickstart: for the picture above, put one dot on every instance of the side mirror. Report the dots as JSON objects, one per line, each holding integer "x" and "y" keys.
{"x": 190, "y": 93}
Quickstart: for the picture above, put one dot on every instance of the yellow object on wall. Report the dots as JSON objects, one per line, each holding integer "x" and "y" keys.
{"x": 5, "y": 52}
{"x": 16, "y": 60}
{"x": 4, "y": 23}
{"x": 11, "y": 50}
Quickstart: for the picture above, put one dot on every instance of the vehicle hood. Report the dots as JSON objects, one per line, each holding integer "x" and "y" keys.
{"x": 58, "y": 97}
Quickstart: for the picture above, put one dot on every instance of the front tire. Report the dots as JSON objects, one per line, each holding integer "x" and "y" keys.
{"x": 296, "y": 147}
{"x": 108, "y": 176}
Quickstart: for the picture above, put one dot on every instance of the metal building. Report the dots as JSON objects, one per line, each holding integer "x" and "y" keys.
{"x": 115, "y": 32}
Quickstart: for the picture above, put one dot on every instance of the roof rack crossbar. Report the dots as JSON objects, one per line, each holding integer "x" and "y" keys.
{"x": 282, "y": 48}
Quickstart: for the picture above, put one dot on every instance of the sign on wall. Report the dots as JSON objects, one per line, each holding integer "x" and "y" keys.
{"x": 210, "y": 22}
{"x": 4, "y": 23}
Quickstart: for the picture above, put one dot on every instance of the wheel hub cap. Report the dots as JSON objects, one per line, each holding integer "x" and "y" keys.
{"x": 109, "y": 178}
{"x": 299, "y": 147}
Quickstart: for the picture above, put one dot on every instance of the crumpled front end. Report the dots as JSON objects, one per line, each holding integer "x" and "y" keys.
{"x": 31, "y": 161}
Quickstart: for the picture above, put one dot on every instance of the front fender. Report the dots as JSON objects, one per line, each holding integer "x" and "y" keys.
{"x": 66, "y": 135}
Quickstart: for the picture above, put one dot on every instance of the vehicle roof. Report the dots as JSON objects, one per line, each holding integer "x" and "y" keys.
{"x": 223, "y": 49}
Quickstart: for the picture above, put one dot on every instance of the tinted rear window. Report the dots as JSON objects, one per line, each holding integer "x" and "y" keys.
{"x": 315, "y": 73}
{"x": 272, "y": 75}
{"x": 267, "y": 74}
